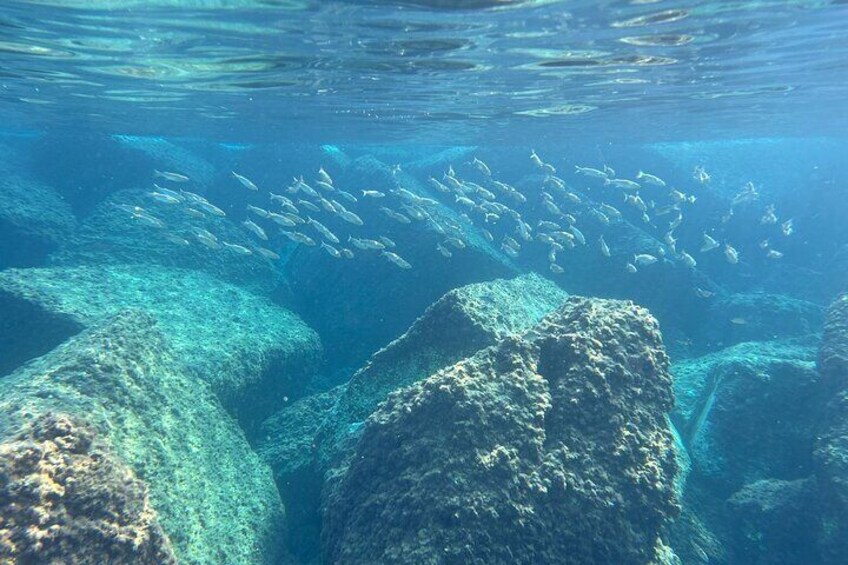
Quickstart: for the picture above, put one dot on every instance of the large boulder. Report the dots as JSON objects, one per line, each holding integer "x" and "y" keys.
{"x": 250, "y": 351}
{"x": 748, "y": 413}
{"x": 460, "y": 323}
{"x": 216, "y": 501}
{"x": 553, "y": 447}
{"x": 303, "y": 440}
{"x": 831, "y": 455}
{"x": 64, "y": 498}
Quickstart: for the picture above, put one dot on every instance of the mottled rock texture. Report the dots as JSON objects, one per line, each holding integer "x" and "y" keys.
{"x": 460, "y": 323}
{"x": 250, "y": 351}
{"x": 551, "y": 448}
{"x": 215, "y": 499}
{"x": 832, "y": 447}
{"x": 64, "y": 499}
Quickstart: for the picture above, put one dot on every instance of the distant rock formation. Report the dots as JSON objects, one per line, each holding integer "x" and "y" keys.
{"x": 832, "y": 448}
{"x": 63, "y": 499}
{"x": 548, "y": 448}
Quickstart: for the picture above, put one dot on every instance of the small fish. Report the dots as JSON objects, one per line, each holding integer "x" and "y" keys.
{"x": 702, "y": 293}
{"x": 169, "y": 192}
{"x": 701, "y": 175}
{"x": 605, "y": 250}
{"x": 552, "y": 254}
{"x": 240, "y": 249}
{"x": 257, "y": 231}
{"x": 556, "y": 269}
{"x": 455, "y": 242}
{"x": 325, "y": 186}
{"x": 609, "y": 171}
{"x": 331, "y": 250}
{"x": 650, "y": 179}
{"x": 590, "y": 172}
{"x": 535, "y": 158}
{"x": 324, "y": 177}
{"x": 676, "y": 222}
{"x": 687, "y": 260}
{"x": 211, "y": 208}
{"x": 245, "y": 182}
{"x": 488, "y": 235}
{"x": 786, "y": 228}
{"x": 611, "y": 211}
{"x": 366, "y": 244}
{"x": 708, "y": 244}
{"x": 622, "y": 183}
{"x": 281, "y": 220}
{"x": 176, "y": 239}
{"x": 630, "y": 268}
{"x": 437, "y": 185}
{"x": 774, "y": 254}
{"x": 298, "y": 237}
{"x": 308, "y": 205}
{"x": 669, "y": 239}
{"x": 551, "y": 207}
{"x": 148, "y": 220}
{"x": 191, "y": 196}
{"x": 209, "y": 240}
{"x": 322, "y": 229}
{"x": 444, "y": 251}
{"x": 764, "y": 244}
{"x": 769, "y": 217}
{"x": 731, "y": 254}
{"x": 279, "y": 198}
{"x": 387, "y": 242}
{"x": 573, "y": 198}
{"x": 483, "y": 193}
{"x": 635, "y": 200}
{"x": 555, "y": 181}
{"x": 374, "y": 193}
{"x": 396, "y": 259}
{"x": 346, "y": 253}
{"x": 482, "y": 167}
{"x": 511, "y": 251}
{"x": 578, "y": 235}
{"x": 738, "y": 321}
{"x": 173, "y": 177}
{"x": 603, "y": 218}
{"x": 261, "y": 212}
{"x": 350, "y": 218}
{"x": 163, "y": 198}
{"x": 267, "y": 253}
{"x": 546, "y": 225}
{"x": 294, "y": 218}
{"x": 643, "y": 259}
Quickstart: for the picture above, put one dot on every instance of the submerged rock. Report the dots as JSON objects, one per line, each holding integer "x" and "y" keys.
{"x": 748, "y": 412}
{"x": 216, "y": 501}
{"x": 34, "y": 218}
{"x": 460, "y": 323}
{"x": 250, "y": 351}
{"x": 63, "y": 498}
{"x": 553, "y": 447}
{"x": 831, "y": 454}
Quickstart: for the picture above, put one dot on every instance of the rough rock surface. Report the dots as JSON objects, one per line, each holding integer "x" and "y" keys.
{"x": 249, "y": 350}
{"x": 831, "y": 454}
{"x": 460, "y": 323}
{"x": 216, "y": 501}
{"x": 553, "y": 448}
{"x": 64, "y": 499}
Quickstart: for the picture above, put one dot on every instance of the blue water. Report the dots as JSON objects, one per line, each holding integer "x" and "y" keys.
{"x": 713, "y": 133}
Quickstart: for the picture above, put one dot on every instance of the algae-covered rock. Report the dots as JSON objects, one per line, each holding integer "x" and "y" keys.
{"x": 63, "y": 498}
{"x": 216, "y": 501}
{"x": 749, "y": 412}
{"x": 550, "y": 448}
{"x": 460, "y": 323}
{"x": 250, "y": 351}
{"x": 831, "y": 455}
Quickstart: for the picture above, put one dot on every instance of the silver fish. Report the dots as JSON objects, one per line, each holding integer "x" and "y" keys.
{"x": 605, "y": 250}
{"x": 650, "y": 179}
{"x": 374, "y": 193}
{"x": 173, "y": 177}
{"x": 245, "y": 182}
{"x": 644, "y": 259}
{"x": 240, "y": 249}
{"x": 444, "y": 251}
{"x": 322, "y": 174}
{"x": 210, "y": 208}
{"x": 322, "y": 229}
{"x": 482, "y": 167}
{"x": 331, "y": 250}
{"x": 298, "y": 237}
{"x": 590, "y": 172}
{"x": 396, "y": 259}
{"x": 257, "y": 231}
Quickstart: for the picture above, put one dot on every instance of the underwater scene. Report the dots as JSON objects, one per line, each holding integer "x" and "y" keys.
{"x": 318, "y": 282}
